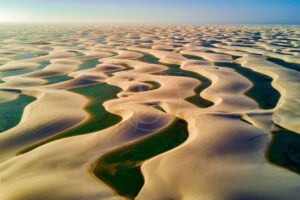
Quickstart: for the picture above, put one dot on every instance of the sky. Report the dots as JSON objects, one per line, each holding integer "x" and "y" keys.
{"x": 151, "y": 11}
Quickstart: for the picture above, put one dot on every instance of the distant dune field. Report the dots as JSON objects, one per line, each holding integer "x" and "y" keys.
{"x": 149, "y": 112}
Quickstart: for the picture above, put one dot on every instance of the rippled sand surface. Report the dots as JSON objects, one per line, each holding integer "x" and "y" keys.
{"x": 149, "y": 112}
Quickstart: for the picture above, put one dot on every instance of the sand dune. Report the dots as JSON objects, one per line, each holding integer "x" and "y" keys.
{"x": 156, "y": 75}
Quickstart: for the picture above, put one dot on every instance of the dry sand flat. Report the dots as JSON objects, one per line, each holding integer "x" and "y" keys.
{"x": 154, "y": 71}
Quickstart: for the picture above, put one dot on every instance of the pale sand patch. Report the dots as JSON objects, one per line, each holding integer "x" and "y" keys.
{"x": 6, "y": 96}
{"x": 128, "y": 55}
{"x": 43, "y": 118}
{"x": 164, "y": 56}
{"x": 287, "y": 58}
{"x": 214, "y": 57}
{"x": 17, "y": 66}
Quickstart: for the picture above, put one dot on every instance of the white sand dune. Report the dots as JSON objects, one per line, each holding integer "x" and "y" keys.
{"x": 287, "y": 82}
{"x": 223, "y": 158}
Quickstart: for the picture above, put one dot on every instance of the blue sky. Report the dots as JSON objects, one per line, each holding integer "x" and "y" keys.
{"x": 151, "y": 11}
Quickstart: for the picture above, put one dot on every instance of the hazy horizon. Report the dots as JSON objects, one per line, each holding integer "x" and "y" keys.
{"x": 154, "y": 12}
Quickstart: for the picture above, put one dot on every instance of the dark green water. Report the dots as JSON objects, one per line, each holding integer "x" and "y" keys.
{"x": 193, "y": 57}
{"x": 121, "y": 169}
{"x": 148, "y": 58}
{"x": 285, "y": 149}
{"x": 288, "y": 65}
{"x": 100, "y": 118}
{"x": 57, "y": 79}
{"x": 262, "y": 91}
{"x": 12, "y": 111}
{"x": 89, "y": 64}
